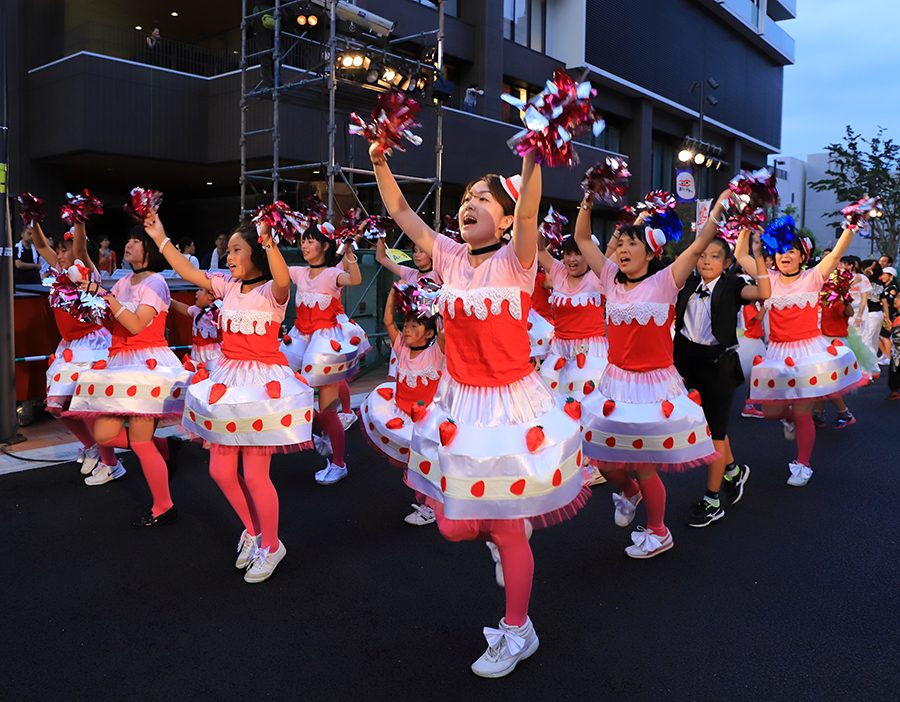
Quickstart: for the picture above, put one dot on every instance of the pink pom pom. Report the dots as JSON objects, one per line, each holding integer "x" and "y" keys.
{"x": 144, "y": 202}
{"x": 450, "y": 228}
{"x": 393, "y": 118}
{"x": 283, "y": 221}
{"x": 858, "y": 214}
{"x": 553, "y": 118}
{"x": 79, "y": 208}
{"x": 377, "y": 226}
{"x": 552, "y": 230}
{"x": 31, "y": 209}
{"x": 607, "y": 182}
{"x": 836, "y": 289}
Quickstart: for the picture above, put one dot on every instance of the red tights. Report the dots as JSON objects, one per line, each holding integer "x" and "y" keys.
{"x": 515, "y": 555}
{"x": 152, "y": 456}
{"x": 329, "y": 422}
{"x": 252, "y": 495}
{"x": 648, "y": 483}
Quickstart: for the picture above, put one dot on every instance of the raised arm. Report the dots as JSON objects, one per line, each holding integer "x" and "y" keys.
{"x": 154, "y": 227}
{"x": 42, "y": 245}
{"x": 389, "y": 325}
{"x": 80, "y": 249}
{"x": 384, "y": 260}
{"x": 591, "y": 252}
{"x": 398, "y": 208}
{"x": 179, "y": 307}
{"x": 687, "y": 259}
{"x": 525, "y": 217}
{"x": 281, "y": 275}
{"x": 830, "y": 262}
{"x": 545, "y": 260}
{"x": 351, "y": 275}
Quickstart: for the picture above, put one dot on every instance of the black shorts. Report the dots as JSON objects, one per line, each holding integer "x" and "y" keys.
{"x": 715, "y": 374}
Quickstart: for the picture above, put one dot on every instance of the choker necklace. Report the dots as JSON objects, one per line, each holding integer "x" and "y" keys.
{"x": 582, "y": 274}
{"x": 317, "y": 265}
{"x": 638, "y": 279}
{"x": 251, "y": 281}
{"x": 427, "y": 271}
{"x": 138, "y": 271}
{"x": 419, "y": 348}
{"x": 485, "y": 249}
{"x": 791, "y": 275}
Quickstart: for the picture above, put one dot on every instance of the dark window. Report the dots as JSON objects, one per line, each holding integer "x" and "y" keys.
{"x": 523, "y": 22}
{"x": 451, "y": 7}
{"x": 609, "y": 139}
{"x": 662, "y": 166}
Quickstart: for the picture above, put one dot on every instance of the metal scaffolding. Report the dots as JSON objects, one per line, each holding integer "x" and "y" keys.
{"x": 316, "y": 63}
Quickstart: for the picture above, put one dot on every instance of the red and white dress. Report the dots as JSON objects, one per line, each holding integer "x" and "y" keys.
{"x": 540, "y": 316}
{"x": 641, "y": 413}
{"x": 578, "y": 351}
{"x": 206, "y": 337}
{"x": 495, "y": 444}
{"x": 411, "y": 276}
{"x": 81, "y": 346}
{"x": 750, "y": 341}
{"x": 390, "y": 410}
{"x": 251, "y": 398}
{"x": 142, "y": 377}
{"x": 800, "y": 364}
{"x": 324, "y": 348}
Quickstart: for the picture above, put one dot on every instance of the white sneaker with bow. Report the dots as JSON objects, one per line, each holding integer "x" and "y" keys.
{"x": 422, "y": 515}
{"x": 348, "y": 419}
{"x": 625, "y": 507}
{"x": 331, "y": 474}
{"x": 506, "y": 647}
{"x": 263, "y": 563}
{"x": 647, "y": 544}
{"x": 247, "y": 546}
{"x": 800, "y": 474}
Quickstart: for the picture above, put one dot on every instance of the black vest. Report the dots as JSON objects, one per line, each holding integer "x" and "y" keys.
{"x": 725, "y": 305}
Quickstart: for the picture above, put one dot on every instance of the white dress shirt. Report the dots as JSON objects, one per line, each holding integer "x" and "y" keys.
{"x": 698, "y": 316}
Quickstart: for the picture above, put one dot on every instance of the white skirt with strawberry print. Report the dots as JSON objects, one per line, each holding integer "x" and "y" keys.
{"x": 540, "y": 334}
{"x": 507, "y": 452}
{"x": 327, "y": 355}
{"x": 387, "y": 427}
{"x": 69, "y": 361}
{"x": 574, "y": 366}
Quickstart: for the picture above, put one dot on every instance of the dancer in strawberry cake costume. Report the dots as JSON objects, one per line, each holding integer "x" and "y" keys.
{"x": 389, "y": 412}
{"x": 495, "y": 453}
{"x": 800, "y": 365}
{"x": 143, "y": 381}
{"x": 251, "y": 404}
{"x": 641, "y": 419}
{"x": 84, "y": 342}
{"x": 206, "y": 337}
{"x": 322, "y": 347}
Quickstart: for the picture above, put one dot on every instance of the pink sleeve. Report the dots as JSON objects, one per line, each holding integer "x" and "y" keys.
{"x": 608, "y": 275}
{"x": 524, "y": 277}
{"x": 219, "y": 284}
{"x": 332, "y": 279}
{"x": 557, "y": 274}
{"x": 265, "y": 291}
{"x": 410, "y": 276}
{"x": 117, "y": 286}
{"x": 442, "y": 254}
{"x": 295, "y": 272}
{"x": 668, "y": 285}
{"x": 155, "y": 293}
{"x": 193, "y": 311}
{"x": 814, "y": 279}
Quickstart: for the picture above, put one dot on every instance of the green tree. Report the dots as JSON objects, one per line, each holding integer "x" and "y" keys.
{"x": 859, "y": 167}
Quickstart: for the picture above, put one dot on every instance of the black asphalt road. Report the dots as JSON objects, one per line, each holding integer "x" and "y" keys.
{"x": 793, "y": 596}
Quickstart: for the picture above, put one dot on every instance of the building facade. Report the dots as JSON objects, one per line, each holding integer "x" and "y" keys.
{"x": 96, "y": 102}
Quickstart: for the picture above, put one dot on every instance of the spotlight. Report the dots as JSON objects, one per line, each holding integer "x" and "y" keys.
{"x": 699, "y": 158}
{"x": 709, "y": 162}
{"x": 684, "y": 155}
{"x": 138, "y": 27}
{"x": 174, "y": 14}
{"x": 312, "y": 20}
{"x": 302, "y": 20}
{"x": 346, "y": 61}
{"x": 357, "y": 61}
{"x": 718, "y": 165}
{"x": 389, "y": 75}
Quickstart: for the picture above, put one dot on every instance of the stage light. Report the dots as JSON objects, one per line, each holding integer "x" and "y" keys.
{"x": 685, "y": 155}
{"x": 709, "y": 162}
{"x": 389, "y": 75}
{"x": 312, "y": 20}
{"x": 346, "y": 61}
{"x": 357, "y": 61}
{"x": 699, "y": 158}
{"x": 174, "y": 14}
{"x": 301, "y": 20}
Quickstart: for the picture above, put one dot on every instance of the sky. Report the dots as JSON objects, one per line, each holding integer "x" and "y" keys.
{"x": 847, "y": 71}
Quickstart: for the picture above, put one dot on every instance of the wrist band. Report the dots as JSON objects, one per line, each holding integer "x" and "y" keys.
{"x": 760, "y": 277}
{"x": 165, "y": 242}
{"x": 121, "y": 310}
{"x": 585, "y": 206}
{"x": 351, "y": 260}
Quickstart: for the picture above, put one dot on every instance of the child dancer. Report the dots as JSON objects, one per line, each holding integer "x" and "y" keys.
{"x": 834, "y": 323}
{"x": 143, "y": 380}
{"x": 495, "y": 451}
{"x": 750, "y": 345}
{"x": 81, "y": 346}
{"x": 641, "y": 418}
{"x": 540, "y": 316}
{"x": 706, "y": 356}
{"x": 800, "y": 366}
{"x": 388, "y": 413}
{"x": 206, "y": 336}
{"x": 320, "y": 346}
{"x": 251, "y": 404}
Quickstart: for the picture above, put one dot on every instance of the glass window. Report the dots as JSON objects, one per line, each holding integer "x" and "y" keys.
{"x": 451, "y": 7}
{"x": 662, "y": 166}
{"x": 609, "y": 139}
{"x": 523, "y": 22}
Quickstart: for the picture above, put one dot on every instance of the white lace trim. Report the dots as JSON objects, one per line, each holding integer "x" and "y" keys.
{"x": 411, "y": 377}
{"x": 561, "y": 299}
{"x": 640, "y": 312}
{"x": 311, "y": 299}
{"x": 205, "y": 328}
{"x": 245, "y": 321}
{"x": 804, "y": 299}
{"x": 474, "y": 301}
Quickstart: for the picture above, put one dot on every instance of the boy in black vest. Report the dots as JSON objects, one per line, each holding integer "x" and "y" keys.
{"x": 706, "y": 356}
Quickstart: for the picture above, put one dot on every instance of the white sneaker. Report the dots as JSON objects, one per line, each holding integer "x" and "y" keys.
{"x": 322, "y": 444}
{"x": 247, "y": 546}
{"x": 347, "y": 419}
{"x": 625, "y": 507}
{"x": 88, "y": 458}
{"x": 506, "y": 647}
{"x": 800, "y": 474}
{"x": 495, "y": 554}
{"x": 594, "y": 476}
{"x": 263, "y": 563}
{"x": 646, "y": 544}
{"x": 103, "y": 474}
{"x": 422, "y": 515}
{"x": 789, "y": 430}
{"x": 331, "y": 474}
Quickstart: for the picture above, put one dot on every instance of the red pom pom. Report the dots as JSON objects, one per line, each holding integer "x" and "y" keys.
{"x": 144, "y": 202}
{"x": 79, "y": 208}
{"x": 393, "y": 118}
{"x": 31, "y": 209}
{"x": 282, "y": 220}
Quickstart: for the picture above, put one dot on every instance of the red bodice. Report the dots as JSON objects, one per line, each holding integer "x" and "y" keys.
{"x": 641, "y": 347}
{"x": 793, "y": 323}
{"x": 834, "y": 321}
{"x": 153, "y": 335}
{"x": 406, "y": 397}
{"x": 254, "y": 347}
{"x": 312, "y": 318}
{"x": 753, "y": 327}
{"x": 578, "y": 321}
{"x": 70, "y": 328}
